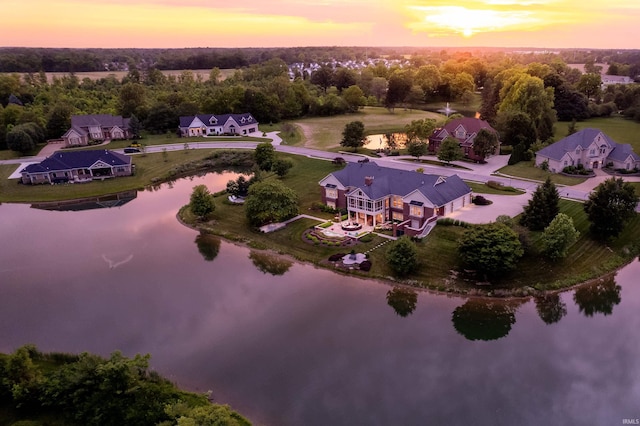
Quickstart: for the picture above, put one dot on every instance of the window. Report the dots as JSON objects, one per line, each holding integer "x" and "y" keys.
{"x": 592, "y": 152}
{"x": 396, "y": 201}
{"x": 397, "y": 216}
{"x": 331, "y": 193}
{"x": 416, "y": 211}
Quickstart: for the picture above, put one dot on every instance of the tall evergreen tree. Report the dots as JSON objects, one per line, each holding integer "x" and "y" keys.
{"x": 610, "y": 206}
{"x": 542, "y": 208}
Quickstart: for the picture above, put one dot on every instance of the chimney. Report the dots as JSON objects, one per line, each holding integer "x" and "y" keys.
{"x": 368, "y": 180}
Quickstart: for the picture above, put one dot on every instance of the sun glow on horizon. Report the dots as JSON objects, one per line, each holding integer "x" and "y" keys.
{"x": 445, "y": 20}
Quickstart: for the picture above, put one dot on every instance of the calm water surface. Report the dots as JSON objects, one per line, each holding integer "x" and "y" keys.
{"x": 309, "y": 347}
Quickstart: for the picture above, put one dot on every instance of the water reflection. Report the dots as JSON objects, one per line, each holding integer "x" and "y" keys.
{"x": 599, "y": 297}
{"x": 484, "y": 320}
{"x": 550, "y": 308}
{"x": 102, "y": 202}
{"x": 270, "y": 263}
{"x": 208, "y": 246}
{"x": 386, "y": 141}
{"x": 402, "y": 300}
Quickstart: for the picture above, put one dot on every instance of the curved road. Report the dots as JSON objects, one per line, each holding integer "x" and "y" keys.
{"x": 471, "y": 172}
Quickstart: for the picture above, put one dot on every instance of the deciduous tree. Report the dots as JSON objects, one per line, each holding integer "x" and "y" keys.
{"x": 492, "y": 249}
{"x": 270, "y": 201}
{"x": 201, "y": 202}
{"x": 353, "y": 135}
{"x": 558, "y": 237}
{"x": 485, "y": 143}
{"x": 417, "y": 149}
{"x": 265, "y": 155}
{"x": 402, "y": 256}
{"x": 450, "y": 150}
{"x": 610, "y": 206}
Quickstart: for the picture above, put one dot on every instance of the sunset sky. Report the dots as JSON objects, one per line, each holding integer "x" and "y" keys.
{"x": 271, "y": 23}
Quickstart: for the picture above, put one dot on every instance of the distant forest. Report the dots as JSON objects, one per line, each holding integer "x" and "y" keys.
{"x": 33, "y": 60}
{"x": 523, "y": 93}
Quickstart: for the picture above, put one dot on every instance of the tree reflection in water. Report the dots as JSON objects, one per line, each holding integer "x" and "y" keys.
{"x": 484, "y": 320}
{"x": 269, "y": 263}
{"x": 402, "y": 300}
{"x": 550, "y": 308}
{"x": 599, "y": 297}
{"x": 208, "y": 246}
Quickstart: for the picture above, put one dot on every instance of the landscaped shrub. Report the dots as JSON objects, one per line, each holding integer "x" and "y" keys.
{"x": 365, "y": 266}
{"x": 366, "y": 238}
{"x": 316, "y": 206}
{"x": 326, "y": 225}
{"x": 446, "y": 221}
{"x": 336, "y": 257}
{"x": 495, "y": 185}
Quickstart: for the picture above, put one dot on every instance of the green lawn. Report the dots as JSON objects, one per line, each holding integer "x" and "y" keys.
{"x": 326, "y": 132}
{"x": 527, "y": 170}
{"x": 587, "y": 258}
{"x": 148, "y": 167}
{"x": 483, "y": 188}
{"x": 617, "y": 128}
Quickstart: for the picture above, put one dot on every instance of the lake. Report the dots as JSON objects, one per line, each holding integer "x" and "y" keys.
{"x": 296, "y": 345}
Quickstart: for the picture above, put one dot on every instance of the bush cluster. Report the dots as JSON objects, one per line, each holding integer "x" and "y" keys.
{"x": 576, "y": 170}
{"x": 447, "y": 221}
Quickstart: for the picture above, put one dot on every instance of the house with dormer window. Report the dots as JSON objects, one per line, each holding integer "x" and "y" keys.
{"x": 374, "y": 195}
{"x": 589, "y": 148}
{"x": 465, "y": 131}
{"x": 216, "y": 125}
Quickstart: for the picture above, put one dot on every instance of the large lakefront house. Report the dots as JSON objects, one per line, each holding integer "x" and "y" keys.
{"x": 465, "y": 131}
{"x": 213, "y": 125}
{"x": 373, "y": 195}
{"x": 589, "y": 148}
{"x": 78, "y": 166}
{"x": 96, "y": 127}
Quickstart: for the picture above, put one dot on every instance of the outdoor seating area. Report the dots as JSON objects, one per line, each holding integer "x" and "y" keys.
{"x": 346, "y": 229}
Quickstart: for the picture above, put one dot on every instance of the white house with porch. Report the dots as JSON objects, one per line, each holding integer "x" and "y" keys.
{"x": 215, "y": 125}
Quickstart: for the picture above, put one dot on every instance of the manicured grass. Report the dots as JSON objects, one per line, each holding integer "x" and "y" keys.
{"x": 483, "y": 188}
{"x": 326, "y": 132}
{"x": 424, "y": 160}
{"x": 439, "y": 268}
{"x": 618, "y": 128}
{"x": 148, "y": 167}
{"x": 526, "y": 169}
{"x": 587, "y": 258}
{"x": 293, "y": 137}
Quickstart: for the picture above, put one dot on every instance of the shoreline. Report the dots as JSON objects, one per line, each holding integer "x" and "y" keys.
{"x": 505, "y": 295}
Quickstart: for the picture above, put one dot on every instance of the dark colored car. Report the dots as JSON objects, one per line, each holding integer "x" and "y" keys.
{"x": 131, "y": 150}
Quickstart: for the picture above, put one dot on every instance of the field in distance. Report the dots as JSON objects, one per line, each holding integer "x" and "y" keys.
{"x": 96, "y": 75}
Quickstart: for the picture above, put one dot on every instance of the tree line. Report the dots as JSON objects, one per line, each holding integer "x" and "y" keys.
{"x": 522, "y": 98}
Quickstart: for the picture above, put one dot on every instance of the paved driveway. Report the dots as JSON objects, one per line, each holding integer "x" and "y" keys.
{"x": 502, "y": 204}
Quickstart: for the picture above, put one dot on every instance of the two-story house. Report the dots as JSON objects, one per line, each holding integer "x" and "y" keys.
{"x": 214, "y": 125}
{"x": 98, "y": 127}
{"x": 590, "y": 148}
{"x": 373, "y": 195}
{"x": 465, "y": 131}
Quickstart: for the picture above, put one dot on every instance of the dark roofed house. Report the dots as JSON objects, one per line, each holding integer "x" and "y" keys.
{"x": 465, "y": 131}
{"x": 78, "y": 166}
{"x": 213, "y": 125}
{"x": 589, "y": 148}
{"x": 374, "y": 195}
{"x": 96, "y": 127}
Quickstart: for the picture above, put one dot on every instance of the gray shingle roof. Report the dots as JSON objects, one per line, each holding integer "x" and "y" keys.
{"x": 185, "y": 121}
{"x": 102, "y": 120}
{"x": 583, "y": 139}
{"x": 67, "y": 160}
{"x": 388, "y": 181}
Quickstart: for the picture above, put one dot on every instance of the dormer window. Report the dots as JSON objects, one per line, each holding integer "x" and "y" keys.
{"x": 213, "y": 120}
{"x": 242, "y": 120}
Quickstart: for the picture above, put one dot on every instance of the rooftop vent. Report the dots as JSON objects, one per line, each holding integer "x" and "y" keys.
{"x": 368, "y": 180}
